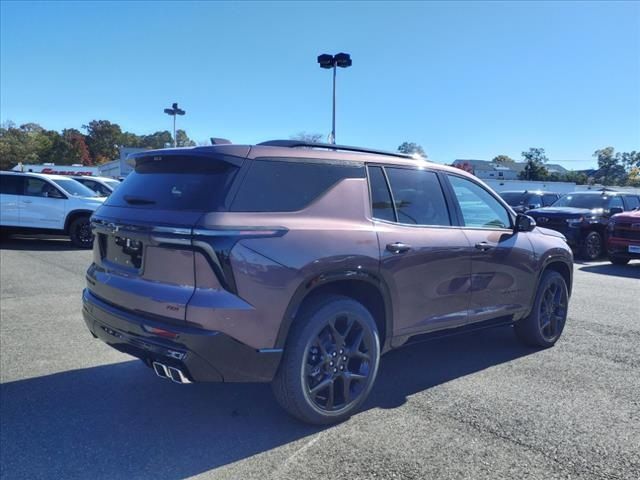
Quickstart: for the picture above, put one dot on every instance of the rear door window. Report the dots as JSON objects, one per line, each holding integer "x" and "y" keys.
{"x": 289, "y": 185}
{"x": 176, "y": 183}
{"x": 418, "y": 197}
{"x": 11, "y": 184}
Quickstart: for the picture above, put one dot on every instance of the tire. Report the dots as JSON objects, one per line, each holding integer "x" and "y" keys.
{"x": 618, "y": 260}
{"x": 545, "y": 323}
{"x": 80, "y": 232}
{"x": 315, "y": 382}
{"x": 592, "y": 246}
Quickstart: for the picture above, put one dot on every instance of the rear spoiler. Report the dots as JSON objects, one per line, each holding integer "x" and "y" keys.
{"x": 218, "y": 153}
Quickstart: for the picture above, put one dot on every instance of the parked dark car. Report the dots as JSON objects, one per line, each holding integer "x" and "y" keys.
{"x": 623, "y": 243}
{"x": 300, "y": 264}
{"x": 523, "y": 200}
{"x": 582, "y": 217}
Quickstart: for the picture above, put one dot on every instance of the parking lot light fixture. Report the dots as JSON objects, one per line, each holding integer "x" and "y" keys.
{"x": 342, "y": 60}
{"x": 173, "y": 111}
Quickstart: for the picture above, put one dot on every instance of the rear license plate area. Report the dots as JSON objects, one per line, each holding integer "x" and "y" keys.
{"x": 124, "y": 251}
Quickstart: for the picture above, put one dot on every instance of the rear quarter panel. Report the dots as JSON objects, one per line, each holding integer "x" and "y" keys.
{"x": 332, "y": 234}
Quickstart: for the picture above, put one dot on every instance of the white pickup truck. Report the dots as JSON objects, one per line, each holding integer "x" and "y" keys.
{"x": 38, "y": 203}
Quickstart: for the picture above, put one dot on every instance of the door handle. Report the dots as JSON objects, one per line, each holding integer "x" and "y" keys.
{"x": 484, "y": 246}
{"x": 398, "y": 247}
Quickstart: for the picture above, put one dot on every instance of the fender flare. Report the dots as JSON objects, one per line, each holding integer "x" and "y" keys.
{"x": 316, "y": 281}
{"x": 548, "y": 261}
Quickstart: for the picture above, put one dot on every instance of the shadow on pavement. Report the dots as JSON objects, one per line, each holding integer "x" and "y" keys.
{"x": 120, "y": 421}
{"x": 631, "y": 270}
{"x": 42, "y": 243}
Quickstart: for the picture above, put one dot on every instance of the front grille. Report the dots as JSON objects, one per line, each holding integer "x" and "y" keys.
{"x": 624, "y": 230}
{"x": 559, "y": 224}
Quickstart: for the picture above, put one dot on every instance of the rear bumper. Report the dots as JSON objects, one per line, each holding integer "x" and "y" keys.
{"x": 205, "y": 356}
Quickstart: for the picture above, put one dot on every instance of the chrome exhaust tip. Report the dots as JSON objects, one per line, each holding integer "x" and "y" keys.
{"x": 161, "y": 370}
{"x": 177, "y": 375}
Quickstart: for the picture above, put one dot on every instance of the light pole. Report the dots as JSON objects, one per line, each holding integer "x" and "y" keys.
{"x": 342, "y": 60}
{"x": 173, "y": 111}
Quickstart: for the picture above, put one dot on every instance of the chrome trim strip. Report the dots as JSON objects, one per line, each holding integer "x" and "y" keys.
{"x": 238, "y": 231}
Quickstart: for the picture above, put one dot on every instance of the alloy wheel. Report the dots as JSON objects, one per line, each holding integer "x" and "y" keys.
{"x": 85, "y": 235}
{"x": 553, "y": 310}
{"x": 594, "y": 246}
{"x": 338, "y": 363}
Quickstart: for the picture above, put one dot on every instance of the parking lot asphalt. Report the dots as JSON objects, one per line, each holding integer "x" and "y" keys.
{"x": 473, "y": 406}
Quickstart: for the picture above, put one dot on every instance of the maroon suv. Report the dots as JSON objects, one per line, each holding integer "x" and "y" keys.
{"x": 623, "y": 242}
{"x": 300, "y": 264}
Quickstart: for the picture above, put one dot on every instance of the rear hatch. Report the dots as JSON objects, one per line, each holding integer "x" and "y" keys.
{"x": 143, "y": 261}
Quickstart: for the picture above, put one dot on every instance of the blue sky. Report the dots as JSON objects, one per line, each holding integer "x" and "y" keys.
{"x": 465, "y": 80}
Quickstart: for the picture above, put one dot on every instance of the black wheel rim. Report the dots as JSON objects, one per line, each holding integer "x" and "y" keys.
{"x": 338, "y": 363}
{"x": 85, "y": 235}
{"x": 553, "y": 310}
{"x": 593, "y": 246}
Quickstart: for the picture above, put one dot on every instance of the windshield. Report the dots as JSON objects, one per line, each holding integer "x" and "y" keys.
{"x": 75, "y": 188}
{"x": 585, "y": 200}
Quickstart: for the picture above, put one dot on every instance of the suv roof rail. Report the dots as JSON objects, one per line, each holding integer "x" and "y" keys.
{"x": 331, "y": 146}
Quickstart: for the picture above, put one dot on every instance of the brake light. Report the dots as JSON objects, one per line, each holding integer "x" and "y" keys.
{"x": 161, "y": 332}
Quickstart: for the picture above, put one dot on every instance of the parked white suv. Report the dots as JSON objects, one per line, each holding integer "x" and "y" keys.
{"x": 39, "y": 203}
{"x": 103, "y": 186}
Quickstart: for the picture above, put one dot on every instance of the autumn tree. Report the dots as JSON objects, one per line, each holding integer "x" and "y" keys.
{"x": 103, "y": 139}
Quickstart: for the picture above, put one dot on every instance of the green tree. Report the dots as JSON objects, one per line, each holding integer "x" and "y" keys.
{"x": 610, "y": 169}
{"x": 503, "y": 159}
{"x": 183, "y": 140}
{"x": 160, "y": 139}
{"x": 579, "y": 178}
{"x": 534, "y": 168}
{"x": 411, "y": 148}
{"x": 128, "y": 139}
{"x": 308, "y": 137}
{"x": 103, "y": 139}
{"x": 631, "y": 163}
{"x": 13, "y": 146}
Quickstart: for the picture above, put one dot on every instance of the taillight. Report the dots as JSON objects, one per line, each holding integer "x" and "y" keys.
{"x": 161, "y": 332}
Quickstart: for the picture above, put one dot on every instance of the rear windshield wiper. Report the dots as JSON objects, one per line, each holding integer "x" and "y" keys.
{"x": 138, "y": 200}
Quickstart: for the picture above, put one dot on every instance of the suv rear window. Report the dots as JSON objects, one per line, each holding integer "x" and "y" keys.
{"x": 176, "y": 183}
{"x": 288, "y": 186}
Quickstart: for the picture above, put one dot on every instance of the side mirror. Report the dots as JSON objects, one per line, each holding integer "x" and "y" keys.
{"x": 524, "y": 223}
{"x": 614, "y": 210}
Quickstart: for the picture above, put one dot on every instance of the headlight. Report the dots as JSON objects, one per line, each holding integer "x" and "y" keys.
{"x": 574, "y": 222}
